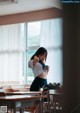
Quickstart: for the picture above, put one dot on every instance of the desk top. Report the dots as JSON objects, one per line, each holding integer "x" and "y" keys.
{"x": 21, "y": 97}
{"x": 24, "y": 93}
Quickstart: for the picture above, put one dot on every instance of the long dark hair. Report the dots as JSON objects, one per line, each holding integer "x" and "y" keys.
{"x": 40, "y": 51}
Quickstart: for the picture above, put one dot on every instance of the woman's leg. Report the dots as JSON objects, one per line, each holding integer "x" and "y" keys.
{"x": 35, "y": 86}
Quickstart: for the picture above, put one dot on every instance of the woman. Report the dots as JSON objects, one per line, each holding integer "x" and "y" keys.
{"x": 39, "y": 69}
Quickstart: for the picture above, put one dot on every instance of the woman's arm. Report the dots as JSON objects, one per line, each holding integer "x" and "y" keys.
{"x": 35, "y": 60}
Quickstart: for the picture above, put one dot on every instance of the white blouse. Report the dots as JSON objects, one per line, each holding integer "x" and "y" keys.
{"x": 37, "y": 69}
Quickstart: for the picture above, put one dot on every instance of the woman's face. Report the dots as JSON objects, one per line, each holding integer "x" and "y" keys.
{"x": 42, "y": 57}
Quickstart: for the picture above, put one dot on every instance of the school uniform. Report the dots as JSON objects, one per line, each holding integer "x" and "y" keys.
{"x": 37, "y": 69}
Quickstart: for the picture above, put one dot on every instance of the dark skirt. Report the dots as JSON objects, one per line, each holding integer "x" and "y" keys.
{"x": 38, "y": 83}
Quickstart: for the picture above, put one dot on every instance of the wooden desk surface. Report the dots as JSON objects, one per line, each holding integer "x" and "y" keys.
{"x": 24, "y": 93}
{"x": 22, "y": 101}
{"x": 20, "y": 97}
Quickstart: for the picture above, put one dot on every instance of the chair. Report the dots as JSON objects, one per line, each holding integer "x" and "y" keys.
{"x": 56, "y": 101}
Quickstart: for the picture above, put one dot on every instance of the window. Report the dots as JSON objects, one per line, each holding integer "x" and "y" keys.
{"x": 33, "y": 43}
{"x": 18, "y": 42}
{"x": 10, "y": 54}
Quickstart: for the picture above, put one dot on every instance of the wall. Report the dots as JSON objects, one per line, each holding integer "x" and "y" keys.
{"x": 71, "y": 57}
{"x": 31, "y": 16}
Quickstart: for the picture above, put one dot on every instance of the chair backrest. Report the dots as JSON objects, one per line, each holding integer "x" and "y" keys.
{"x": 56, "y": 99}
{"x": 59, "y": 90}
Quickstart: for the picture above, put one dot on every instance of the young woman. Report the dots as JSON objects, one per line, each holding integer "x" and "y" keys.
{"x": 40, "y": 70}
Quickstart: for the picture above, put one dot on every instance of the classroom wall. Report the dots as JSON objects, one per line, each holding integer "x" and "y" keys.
{"x": 31, "y": 16}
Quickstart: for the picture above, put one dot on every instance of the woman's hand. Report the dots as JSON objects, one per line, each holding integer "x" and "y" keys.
{"x": 47, "y": 68}
{"x": 36, "y": 58}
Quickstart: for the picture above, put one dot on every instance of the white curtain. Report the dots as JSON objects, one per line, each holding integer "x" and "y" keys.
{"x": 10, "y": 54}
{"x": 51, "y": 39}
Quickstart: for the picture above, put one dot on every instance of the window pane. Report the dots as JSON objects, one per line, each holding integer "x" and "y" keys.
{"x": 30, "y": 75}
{"x": 10, "y": 54}
{"x": 33, "y": 42}
{"x": 54, "y": 60}
{"x": 33, "y": 33}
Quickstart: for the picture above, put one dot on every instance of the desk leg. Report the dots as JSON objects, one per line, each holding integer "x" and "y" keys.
{"x": 14, "y": 110}
{"x": 42, "y": 102}
{"x": 21, "y": 110}
{"x": 40, "y": 106}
